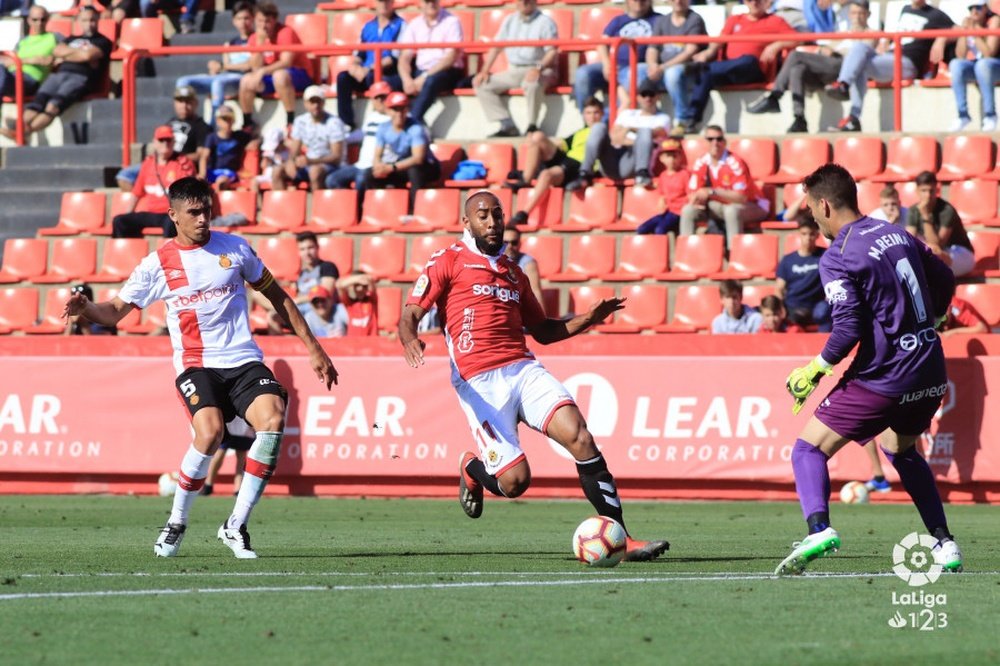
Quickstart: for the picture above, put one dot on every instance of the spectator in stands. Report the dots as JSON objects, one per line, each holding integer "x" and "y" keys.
{"x": 80, "y": 67}
{"x": 531, "y": 68}
{"x": 799, "y": 284}
{"x": 889, "y": 208}
{"x": 149, "y": 206}
{"x": 804, "y": 70}
{"x": 80, "y": 325}
{"x": 273, "y": 155}
{"x": 224, "y": 149}
{"x": 320, "y": 315}
{"x": 554, "y": 161}
{"x": 357, "y": 311}
{"x": 729, "y": 63}
{"x": 313, "y": 272}
{"x": 427, "y": 74}
{"x": 807, "y": 15}
{"x": 317, "y": 145}
{"x": 376, "y": 115}
{"x": 402, "y": 152}
{"x": 35, "y": 51}
{"x": 735, "y": 317}
{"x": 976, "y": 59}
{"x": 385, "y": 28}
{"x": 527, "y": 263}
{"x": 773, "y": 317}
{"x": 190, "y": 134}
{"x": 865, "y": 62}
{"x": 283, "y": 73}
{"x": 626, "y": 150}
{"x": 665, "y": 63}
{"x": 224, "y": 77}
{"x": 152, "y": 8}
{"x": 722, "y": 189}
{"x": 15, "y": 7}
{"x": 637, "y": 21}
{"x": 937, "y": 222}
{"x": 672, "y": 179}
{"x": 963, "y": 318}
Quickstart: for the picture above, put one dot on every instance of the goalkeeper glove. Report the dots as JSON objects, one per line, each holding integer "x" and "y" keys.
{"x": 803, "y": 381}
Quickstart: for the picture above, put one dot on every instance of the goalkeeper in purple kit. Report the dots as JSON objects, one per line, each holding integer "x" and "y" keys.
{"x": 886, "y": 290}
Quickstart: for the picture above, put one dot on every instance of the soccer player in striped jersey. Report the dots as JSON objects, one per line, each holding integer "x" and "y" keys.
{"x": 200, "y": 276}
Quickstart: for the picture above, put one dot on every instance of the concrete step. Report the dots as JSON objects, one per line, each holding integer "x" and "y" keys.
{"x": 38, "y": 180}
{"x": 176, "y": 66}
{"x": 63, "y": 156}
{"x": 161, "y": 87}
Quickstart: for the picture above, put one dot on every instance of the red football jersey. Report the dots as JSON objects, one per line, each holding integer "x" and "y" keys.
{"x": 486, "y": 303}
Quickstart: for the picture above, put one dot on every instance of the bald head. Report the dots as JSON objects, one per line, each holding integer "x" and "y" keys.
{"x": 484, "y": 220}
{"x": 483, "y": 199}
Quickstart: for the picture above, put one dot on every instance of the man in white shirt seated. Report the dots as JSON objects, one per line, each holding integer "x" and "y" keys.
{"x": 346, "y": 174}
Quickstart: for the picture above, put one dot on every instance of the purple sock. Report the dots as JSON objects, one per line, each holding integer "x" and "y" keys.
{"x": 812, "y": 479}
{"x": 918, "y": 479}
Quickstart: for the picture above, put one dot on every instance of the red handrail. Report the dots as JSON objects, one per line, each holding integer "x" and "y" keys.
{"x": 18, "y": 96}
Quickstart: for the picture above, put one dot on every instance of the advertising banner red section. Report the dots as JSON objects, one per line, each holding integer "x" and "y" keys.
{"x": 718, "y": 419}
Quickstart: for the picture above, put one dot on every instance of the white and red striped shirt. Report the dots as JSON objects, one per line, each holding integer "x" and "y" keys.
{"x": 486, "y": 302}
{"x": 203, "y": 289}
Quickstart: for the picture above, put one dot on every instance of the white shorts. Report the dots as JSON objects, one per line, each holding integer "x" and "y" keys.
{"x": 496, "y": 400}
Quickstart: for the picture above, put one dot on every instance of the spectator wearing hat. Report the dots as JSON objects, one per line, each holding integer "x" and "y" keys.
{"x": 80, "y": 66}
{"x": 374, "y": 117}
{"x": 626, "y": 150}
{"x": 672, "y": 176}
{"x": 385, "y": 28}
{"x": 427, "y": 74}
{"x": 357, "y": 311}
{"x": 402, "y": 152}
{"x": 149, "y": 205}
{"x": 976, "y": 59}
{"x": 190, "y": 132}
{"x": 224, "y": 149}
{"x": 283, "y": 73}
{"x": 531, "y": 68}
{"x": 224, "y": 77}
{"x": 320, "y": 315}
{"x": 317, "y": 145}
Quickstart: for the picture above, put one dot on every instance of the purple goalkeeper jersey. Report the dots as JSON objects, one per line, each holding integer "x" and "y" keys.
{"x": 886, "y": 289}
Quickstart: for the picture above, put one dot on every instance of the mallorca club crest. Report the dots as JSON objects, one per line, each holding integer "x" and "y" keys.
{"x": 225, "y": 261}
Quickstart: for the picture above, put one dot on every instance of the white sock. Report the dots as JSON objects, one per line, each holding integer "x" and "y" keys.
{"x": 262, "y": 458}
{"x": 194, "y": 469}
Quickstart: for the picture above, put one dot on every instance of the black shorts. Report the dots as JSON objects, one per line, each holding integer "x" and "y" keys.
{"x": 570, "y": 167}
{"x": 232, "y": 390}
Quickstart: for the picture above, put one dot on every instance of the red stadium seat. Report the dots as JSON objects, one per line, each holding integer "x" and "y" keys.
{"x": 421, "y": 250}
{"x": 791, "y": 243}
{"x": 753, "y": 294}
{"x": 641, "y": 257}
{"x": 18, "y": 308}
{"x": 52, "y": 321}
{"x": 695, "y": 257}
{"x": 333, "y": 210}
{"x": 433, "y": 210}
{"x": 339, "y": 250}
{"x": 548, "y": 212}
{"x": 347, "y": 27}
{"x": 281, "y": 256}
{"x": 645, "y": 309}
{"x": 311, "y": 29}
{"x": 550, "y": 302}
{"x": 695, "y": 306}
{"x": 132, "y": 319}
{"x": 283, "y": 210}
{"x": 121, "y": 256}
{"x": 975, "y": 201}
{"x": 800, "y": 156}
{"x": 243, "y": 202}
{"x": 80, "y": 212}
{"x": 863, "y": 156}
{"x": 390, "y": 307}
{"x": 152, "y": 318}
{"x": 868, "y": 199}
{"x": 582, "y": 298}
{"x": 72, "y": 259}
{"x": 591, "y": 208}
{"x": 449, "y": 155}
{"x": 588, "y": 257}
{"x": 490, "y": 21}
{"x": 546, "y": 250}
{"x": 966, "y": 156}
{"x": 986, "y": 244}
{"x": 139, "y": 33}
{"x": 592, "y": 21}
{"x": 638, "y": 205}
{"x": 498, "y": 159}
{"x": 751, "y": 255}
{"x": 694, "y": 147}
{"x": 908, "y": 156}
{"x": 382, "y": 256}
{"x": 382, "y": 210}
{"x": 23, "y": 259}
{"x": 120, "y": 203}
{"x": 984, "y": 297}
{"x": 761, "y": 155}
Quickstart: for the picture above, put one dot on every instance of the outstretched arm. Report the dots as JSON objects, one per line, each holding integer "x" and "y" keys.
{"x": 285, "y": 308}
{"x": 413, "y": 346}
{"x": 553, "y": 330}
{"x": 106, "y": 313}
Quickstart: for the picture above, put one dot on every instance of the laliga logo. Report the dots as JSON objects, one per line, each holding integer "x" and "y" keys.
{"x": 908, "y": 562}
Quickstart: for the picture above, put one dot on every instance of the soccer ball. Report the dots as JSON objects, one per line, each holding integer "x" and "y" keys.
{"x": 854, "y": 492}
{"x": 599, "y": 542}
{"x": 168, "y": 484}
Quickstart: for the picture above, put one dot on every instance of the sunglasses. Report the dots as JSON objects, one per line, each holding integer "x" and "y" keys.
{"x": 715, "y": 138}
{"x": 513, "y": 243}
{"x": 647, "y": 93}
{"x": 35, "y": 20}
{"x": 165, "y": 140}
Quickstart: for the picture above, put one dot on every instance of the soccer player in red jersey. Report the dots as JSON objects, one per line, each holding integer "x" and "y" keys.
{"x": 200, "y": 276}
{"x": 487, "y": 304}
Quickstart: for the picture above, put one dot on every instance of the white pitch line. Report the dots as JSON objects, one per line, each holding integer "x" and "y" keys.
{"x": 431, "y": 586}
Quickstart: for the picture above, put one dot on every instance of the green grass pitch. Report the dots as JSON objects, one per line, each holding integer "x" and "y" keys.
{"x": 415, "y": 582}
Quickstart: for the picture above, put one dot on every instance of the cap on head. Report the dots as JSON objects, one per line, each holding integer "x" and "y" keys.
{"x": 314, "y": 92}
{"x": 379, "y": 88}
{"x": 225, "y": 111}
{"x": 319, "y": 292}
{"x": 185, "y": 93}
{"x": 164, "y": 132}
{"x": 649, "y": 86}
{"x": 397, "y": 100}
{"x": 671, "y": 146}
{"x": 976, "y": 3}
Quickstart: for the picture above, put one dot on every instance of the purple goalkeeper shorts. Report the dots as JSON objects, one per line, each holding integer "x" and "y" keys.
{"x": 854, "y": 412}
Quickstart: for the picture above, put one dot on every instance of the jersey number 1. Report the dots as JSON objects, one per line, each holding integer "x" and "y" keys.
{"x": 906, "y": 275}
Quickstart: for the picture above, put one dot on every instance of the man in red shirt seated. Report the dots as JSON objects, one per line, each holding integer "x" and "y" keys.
{"x": 963, "y": 318}
{"x": 280, "y": 72}
{"x": 149, "y": 206}
{"x": 730, "y": 63}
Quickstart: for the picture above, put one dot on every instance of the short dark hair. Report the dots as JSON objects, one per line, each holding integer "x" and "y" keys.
{"x": 805, "y": 220}
{"x": 190, "y": 188}
{"x": 730, "y": 288}
{"x": 715, "y": 128}
{"x": 593, "y": 101}
{"x": 772, "y": 303}
{"x": 926, "y": 178}
{"x": 267, "y": 9}
{"x": 478, "y": 193}
{"x": 87, "y": 8}
{"x": 833, "y": 183}
{"x": 511, "y": 226}
{"x": 306, "y": 236}
{"x": 243, "y": 6}
{"x": 888, "y": 191}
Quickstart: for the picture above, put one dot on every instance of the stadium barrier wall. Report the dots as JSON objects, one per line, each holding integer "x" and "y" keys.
{"x": 689, "y": 416}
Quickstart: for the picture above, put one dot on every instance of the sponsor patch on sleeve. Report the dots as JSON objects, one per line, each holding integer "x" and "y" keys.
{"x": 421, "y": 286}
